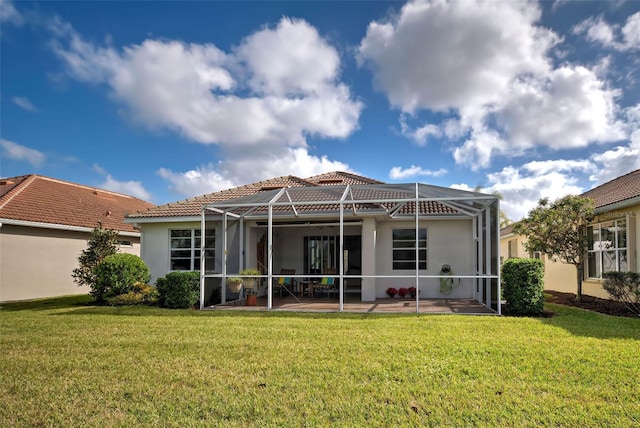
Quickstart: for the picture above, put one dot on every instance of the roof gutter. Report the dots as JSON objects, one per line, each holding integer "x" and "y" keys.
{"x": 618, "y": 205}
{"x": 40, "y": 225}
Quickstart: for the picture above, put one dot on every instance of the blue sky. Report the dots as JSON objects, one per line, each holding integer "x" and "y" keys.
{"x": 167, "y": 100}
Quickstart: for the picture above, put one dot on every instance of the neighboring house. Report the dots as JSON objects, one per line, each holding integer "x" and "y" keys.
{"x": 363, "y": 228}
{"x": 613, "y": 235}
{"x": 44, "y": 226}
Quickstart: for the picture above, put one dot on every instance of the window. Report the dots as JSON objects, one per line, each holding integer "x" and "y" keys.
{"x": 607, "y": 248}
{"x": 513, "y": 248}
{"x": 404, "y": 248}
{"x": 185, "y": 249}
{"x": 125, "y": 243}
{"x": 536, "y": 255}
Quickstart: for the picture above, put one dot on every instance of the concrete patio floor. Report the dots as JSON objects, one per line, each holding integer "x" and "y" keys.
{"x": 353, "y": 304}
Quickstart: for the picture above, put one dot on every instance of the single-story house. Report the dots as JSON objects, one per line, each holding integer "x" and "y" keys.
{"x": 613, "y": 236}
{"x": 44, "y": 226}
{"x": 373, "y": 235}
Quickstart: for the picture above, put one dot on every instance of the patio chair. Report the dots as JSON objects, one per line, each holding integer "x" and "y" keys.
{"x": 284, "y": 282}
{"x": 326, "y": 283}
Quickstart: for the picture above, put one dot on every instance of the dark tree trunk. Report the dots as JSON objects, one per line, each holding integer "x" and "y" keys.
{"x": 579, "y": 270}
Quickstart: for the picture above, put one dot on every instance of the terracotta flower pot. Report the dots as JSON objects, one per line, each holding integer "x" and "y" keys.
{"x": 252, "y": 300}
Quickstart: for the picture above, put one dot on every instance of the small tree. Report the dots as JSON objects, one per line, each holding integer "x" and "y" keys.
{"x": 101, "y": 243}
{"x": 556, "y": 229}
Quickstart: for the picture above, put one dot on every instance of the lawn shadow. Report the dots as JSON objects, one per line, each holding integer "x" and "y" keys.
{"x": 154, "y": 311}
{"x": 77, "y": 300}
{"x": 587, "y": 323}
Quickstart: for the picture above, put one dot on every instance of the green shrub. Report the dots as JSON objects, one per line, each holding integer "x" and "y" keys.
{"x": 142, "y": 294}
{"x": 179, "y": 290}
{"x": 624, "y": 287}
{"x": 117, "y": 274}
{"x": 522, "y": 286}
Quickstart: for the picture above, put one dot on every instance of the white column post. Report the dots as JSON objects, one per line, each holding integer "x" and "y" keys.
{"x": 417, "y": 209}
{"x": 270, "y": 259}
{"x": 223, "y": 289}
{"x": 202, "y": 258}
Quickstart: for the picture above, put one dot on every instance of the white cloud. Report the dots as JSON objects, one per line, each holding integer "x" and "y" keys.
{"x": 22, "y": 153}
{"x": 621, "y": 38}
{"x": 522, "y": 187}
{"x": 617, "y": 161}
{"x": 202, "y": 180}
{"x": 132, "y": 188}
{"x": 258, "y": 102}
{"x": 455, "y": 54}
{"x": 247, "y": 169}
{"x": 631, "y": 32}
{"x": 500, "y": 89}
{"x": 399, "y": 173}
{"x": 278, "y": 86}
{"x": 597, "y": 30}
{"x": 9, "y": 14}
{"x": 420, "y": 134}
{"x": 24, "y": 103}
{"x": 280, "y": 67}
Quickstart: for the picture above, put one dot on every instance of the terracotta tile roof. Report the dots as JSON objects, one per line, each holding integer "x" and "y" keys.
{"x": 617, "y": 190}
{"x": 192, "y": 207}
{"x": 339, "y": 177}
{"x": 34, "y": 198}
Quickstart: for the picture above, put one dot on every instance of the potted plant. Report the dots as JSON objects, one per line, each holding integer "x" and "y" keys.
{"x": 411, "y": 292}
{"x": 402, "y": 292}
{"x": 392, "y": 292}
{"x": 234, "y": 283}
{"x": 250, "y": 276}
{"x": 252, "y": 297}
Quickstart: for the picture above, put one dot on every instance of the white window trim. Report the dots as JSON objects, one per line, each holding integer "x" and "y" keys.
{"x": 615, "y": 248}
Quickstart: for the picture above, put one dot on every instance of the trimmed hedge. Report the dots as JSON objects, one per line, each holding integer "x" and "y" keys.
{"x": 624, "y": 287}
{"x": 179, "y": 290}
{"x": 117, "y": 274}
{"x": 522, "y": 286}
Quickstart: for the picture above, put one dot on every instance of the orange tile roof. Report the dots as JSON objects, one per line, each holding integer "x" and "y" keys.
{"x": 192, "y": 207}
{"x": 617, "y": 190}
{"x": 35, "y": 198}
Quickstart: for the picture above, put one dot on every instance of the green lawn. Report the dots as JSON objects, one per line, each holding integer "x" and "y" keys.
{"x": 66, "y": 364}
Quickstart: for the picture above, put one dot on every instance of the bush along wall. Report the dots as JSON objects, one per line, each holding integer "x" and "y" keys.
{"x": 179, "y": 290}
{"x": 118, "y": 274}
{"x": 522, "y": 286}
{"x": 624, "y": 287}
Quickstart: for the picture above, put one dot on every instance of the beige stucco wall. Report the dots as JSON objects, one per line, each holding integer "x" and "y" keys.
{"x": 562, "y": 277}
{"x": 557, "y": 276}
{"x": 38, "y": 262}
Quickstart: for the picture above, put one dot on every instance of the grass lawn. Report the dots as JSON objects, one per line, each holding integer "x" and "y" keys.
{"x": 63, "y": 363}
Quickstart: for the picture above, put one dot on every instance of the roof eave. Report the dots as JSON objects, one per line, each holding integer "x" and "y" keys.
{"x": 54, "y": 226}
{"x": 618, "y": 205}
